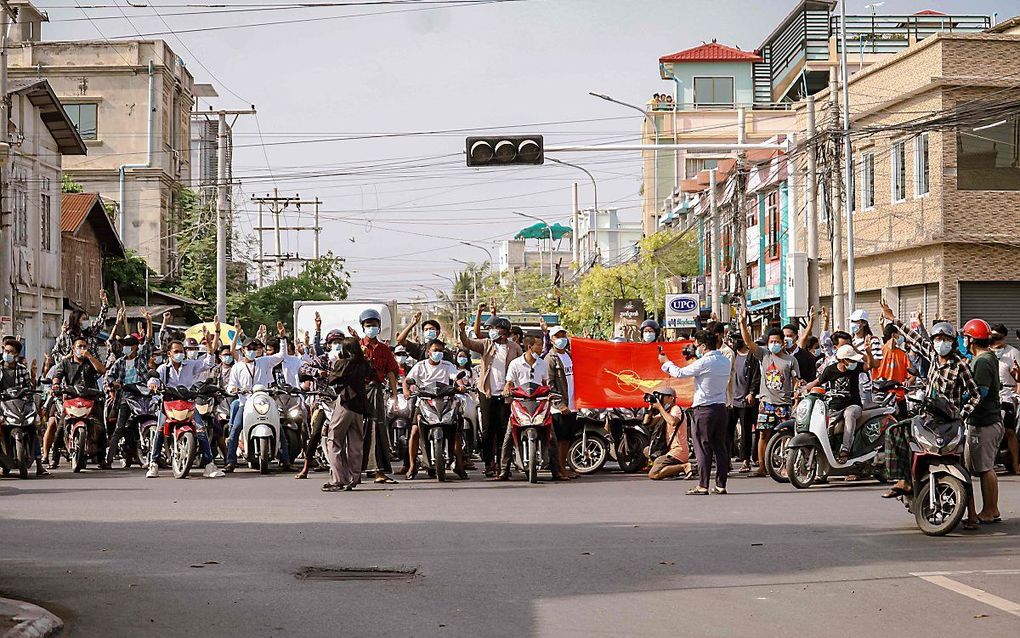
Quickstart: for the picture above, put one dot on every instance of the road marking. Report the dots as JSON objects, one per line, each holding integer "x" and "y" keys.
{"x": 979, "y": 595}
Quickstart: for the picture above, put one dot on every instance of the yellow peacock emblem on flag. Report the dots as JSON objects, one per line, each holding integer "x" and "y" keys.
{"x": 629, "y": 381}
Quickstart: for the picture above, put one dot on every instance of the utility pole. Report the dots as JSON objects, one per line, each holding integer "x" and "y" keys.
{"x": 714, "y": 221}
{"x": 835, "y": 219}
{"x": 277, "y": 205}
{"x": 739, "y": 232}
{"x": 574, "y": 243}
{"x": 812, "y": 206}
{"x": 847, "y": 160}
{"x": 224, "y": 212}
{"x": 6, "y": 236}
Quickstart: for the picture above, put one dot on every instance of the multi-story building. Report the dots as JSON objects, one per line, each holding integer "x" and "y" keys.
{"x": 515, "y": 256}
{"x": 130, "y": 100}
{"x": 41, "y": 136}
{"x": 604, "y": 239}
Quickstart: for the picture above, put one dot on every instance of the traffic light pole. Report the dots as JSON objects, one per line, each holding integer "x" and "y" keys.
{"x": 782, "y": 146}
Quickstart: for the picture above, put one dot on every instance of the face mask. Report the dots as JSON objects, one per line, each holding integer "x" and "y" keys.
{"x": 228, "y": 359}
{"x": 436, "y": 356}
{"x": 372, "y": 332}
{"x": 855, "y": 326}
{"x": 8, "y": 357}
{"x": 775, "y": 348}
{"x": 463, "y": 361}
{"x": 698, "y": 354}
{"x": 336, "y": 347}
{"x": 192, "y": 354}
{"x": 159, "y": 358}
{"x": 79, "y": 352}
{"x": 561, "y": 343}
{"x": 852, "y": 365}
{"x": 178, "y": 357}
{"x": 401, "y": 359}
{"x": 251, "y": 354}
{"x": 431, "y": 334}
{"x": 84, "y": 324}
{"x": 900, "y": 340}
{"x": 789, "y": 342}
{"x": 943, "y": 348}
{"x": 648, "y": 337}
{"x": 494, "y": 334}
{"x": 817, "y": 352}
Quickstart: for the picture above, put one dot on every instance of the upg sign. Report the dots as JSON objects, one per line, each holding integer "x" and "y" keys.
{"x": 681, "y": 309}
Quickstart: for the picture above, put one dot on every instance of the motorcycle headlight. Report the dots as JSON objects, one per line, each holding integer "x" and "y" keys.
{"x": 295, "y": 414}
{"x": 13, "y": 420}
{"x": 30, "y": 418}
{"x": 428, "y": 408}
{"x": 926, "y": 439}
{"x": 261, "y": 405}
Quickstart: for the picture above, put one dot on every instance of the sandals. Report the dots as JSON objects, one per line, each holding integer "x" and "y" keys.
{"x": 850, "y": 478}
{"x": 697, "y": 491}
{"x": 384, "y": 480}
{"x": 411, "y": 474}
{"x": 971, "y": 525}
{"x": 843, "y": 457}
{"x": 334, "y": 487}
{"x": 897, "y": 491}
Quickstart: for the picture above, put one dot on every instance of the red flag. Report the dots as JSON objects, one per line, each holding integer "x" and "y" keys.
{"x": 617, "y": 375}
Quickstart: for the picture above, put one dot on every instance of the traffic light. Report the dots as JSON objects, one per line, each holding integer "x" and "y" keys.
{"x": 505, "y": 150}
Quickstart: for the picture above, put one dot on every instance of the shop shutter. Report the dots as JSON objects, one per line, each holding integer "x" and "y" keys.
{"x": 993, "y": 301}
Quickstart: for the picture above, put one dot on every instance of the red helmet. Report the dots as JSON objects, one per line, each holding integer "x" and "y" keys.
{"x": 977, "y": 329}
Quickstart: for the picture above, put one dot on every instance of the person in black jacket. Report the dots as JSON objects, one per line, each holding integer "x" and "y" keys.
{"x": 744, "y": 413}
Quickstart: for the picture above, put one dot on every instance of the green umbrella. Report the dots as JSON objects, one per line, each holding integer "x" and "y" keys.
{"x": 541, "y": 231}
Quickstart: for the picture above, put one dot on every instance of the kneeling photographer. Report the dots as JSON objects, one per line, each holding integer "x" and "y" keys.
{"x": 665, "y": 414}
{"x": 711, "y": 374}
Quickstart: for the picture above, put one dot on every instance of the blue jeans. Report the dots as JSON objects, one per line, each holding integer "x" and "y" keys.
{"x": 200, "y": 436}
{"x": 236, "y": 424}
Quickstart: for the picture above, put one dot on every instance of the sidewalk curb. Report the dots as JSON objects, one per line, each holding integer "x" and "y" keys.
{"x": 33, "y": 621}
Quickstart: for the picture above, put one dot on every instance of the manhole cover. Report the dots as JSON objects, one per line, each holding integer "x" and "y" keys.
{"x": 356, "y": 573}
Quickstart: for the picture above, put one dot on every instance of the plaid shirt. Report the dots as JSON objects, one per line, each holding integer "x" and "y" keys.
{"x": 118, "y": 369}
{"x": 15, "y": 377}
{"x": 65, "y": 340}
{"x": 952, "y": 380}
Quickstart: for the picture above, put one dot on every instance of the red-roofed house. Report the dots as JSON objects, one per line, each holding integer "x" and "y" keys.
{"x": 86, "y": 234}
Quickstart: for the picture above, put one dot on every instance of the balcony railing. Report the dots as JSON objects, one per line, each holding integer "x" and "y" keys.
{"x": 695, "y": 106}
{"x": 892, "y": 33}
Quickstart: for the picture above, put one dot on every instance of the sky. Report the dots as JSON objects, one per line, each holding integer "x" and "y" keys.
{"x": 346, "y": 97}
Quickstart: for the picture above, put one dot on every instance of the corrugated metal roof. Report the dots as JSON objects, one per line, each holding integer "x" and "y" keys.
{"x": 711, "y": 52}
{"x": 74, "y": 208}
{"x": 51, "y": 111}
{"x": 930, "y": 12}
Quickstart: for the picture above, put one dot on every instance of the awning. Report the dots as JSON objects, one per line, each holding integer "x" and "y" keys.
{"x": 761, "y": 305}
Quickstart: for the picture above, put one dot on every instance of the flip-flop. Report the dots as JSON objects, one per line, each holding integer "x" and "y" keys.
{"x": 850, "y": 478}
{"x": 697, "y": 491}
{"x": 385, "y": 480}
{"x": 332, "y": 487}
{"x": 896, "y": 491}
{"x": 997, "y": 519}
{"x": 970, "y": 525}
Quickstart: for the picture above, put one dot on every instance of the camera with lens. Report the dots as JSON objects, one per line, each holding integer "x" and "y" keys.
{"x": 651, "y": 398}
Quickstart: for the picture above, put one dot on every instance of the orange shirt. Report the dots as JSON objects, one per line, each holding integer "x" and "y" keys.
{"x": 892, "y": 367}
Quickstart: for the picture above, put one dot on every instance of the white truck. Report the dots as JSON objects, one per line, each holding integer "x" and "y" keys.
{"x": 338, "y": 315}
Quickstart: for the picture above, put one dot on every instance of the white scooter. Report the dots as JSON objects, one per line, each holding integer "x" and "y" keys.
{"x": 260, "y": 430}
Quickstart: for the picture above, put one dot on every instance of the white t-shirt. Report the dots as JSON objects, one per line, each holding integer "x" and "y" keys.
{"x": 497, "y": 370}
{"x": 1007, "y": 356}
{"x": 568, "y": 371}
{"x": 425, "y": 372}
{"x": 521, "y": 373}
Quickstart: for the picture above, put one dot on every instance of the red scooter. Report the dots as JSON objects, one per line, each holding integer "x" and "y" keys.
{"x": 531, "y": 426}
{"x": 179, "y": 410}
{"x": 81, "y": 430}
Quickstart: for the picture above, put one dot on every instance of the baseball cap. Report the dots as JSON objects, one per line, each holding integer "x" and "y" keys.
{"x": 859, "y": 315}
{"x": 848, "y": 352}
{"x": 556, "y": 329}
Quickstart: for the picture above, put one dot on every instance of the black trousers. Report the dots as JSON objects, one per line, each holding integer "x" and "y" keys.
{"x": 710, "y": 441}
{"x": 495, "y": 416}
{"x": 121, "y": 430}
{"x": 743, "y": 418}
{"x": 377, "y": 438}
{"x": 314, "y": 433}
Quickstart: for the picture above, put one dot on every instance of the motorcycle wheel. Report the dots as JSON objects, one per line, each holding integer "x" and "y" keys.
{"x": 950, "y": 506}
{"x": 145, "y": 445}
{"x": 590, "y": 458}
{"x": 438, "y": 444}
{"x": 775, "y": 457}
{"x": 23, "y": 456}
{"x": 78, "y": 451}
{"x": 532, "y": 459}
{"x": 263, "y": 454}
{"x": 631, "y": 453}
{"x": 184, "y": 455}
{"x": 802, "y": 467}
{"x": 294, "y": 446}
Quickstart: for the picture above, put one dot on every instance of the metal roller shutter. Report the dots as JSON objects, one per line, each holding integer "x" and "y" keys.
{"x": 872, "y": 302}
{"x": 933, "y": 308}
{"x": 923, "y": 296}
{"x": 993, "y": 301}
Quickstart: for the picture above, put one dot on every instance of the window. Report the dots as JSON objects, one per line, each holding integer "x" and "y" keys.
{"x": 713, "y": 92}
{"x": 868, "y": 181}
{"x": 988, "y": 157}
{"x": 752, "y": 213}
{"x": 772, "y": 226}
{"x": 921, "y": 179}
{"x": 899, "y": 171}
{"x": 83, "y": 116}
{"x": 694, "y": 165}
{"x": 19, "y": 205}
{"x": 46, "y": 215}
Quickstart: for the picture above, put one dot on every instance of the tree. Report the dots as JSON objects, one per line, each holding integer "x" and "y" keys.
{"x": 323, "y": 279}
{"x": 68, "y": 185}
{"x": 129, "y": 275}
{"x": 194, "y": 272}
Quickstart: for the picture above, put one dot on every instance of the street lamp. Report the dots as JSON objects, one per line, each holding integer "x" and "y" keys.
{"x": 547, "y": 227}
{"x": 479, "y": 247}
{"x": 478, "y": 273}
{"x": 595, "y": 199}
{"x": 655, "y": 156}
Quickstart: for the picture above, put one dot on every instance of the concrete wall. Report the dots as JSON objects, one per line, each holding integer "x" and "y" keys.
{"x": 743, "y": 84}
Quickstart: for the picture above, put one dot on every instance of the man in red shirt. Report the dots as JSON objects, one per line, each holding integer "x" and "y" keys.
{"x": 377, "y": 440}
{"x": 893, "y": 365}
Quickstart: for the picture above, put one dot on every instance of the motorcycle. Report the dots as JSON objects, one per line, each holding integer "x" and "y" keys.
{"x": 399, "y": 420}
{"x": 260, "y": 430}
{"x": 293, "y": 420}
{"x": 324, "y": 398}
{"x": 439, "y": 419}
{"x": 471, "y": 433}
{"x": 19, "y": 430}
{"x": 818, "y": 433}
{"x": 179, "y": 411}
{"x": 81, "y": 429}
{"x": 531, "y": 427}
{"x": 589, "y": 452}
{"x": 142, "y": 415}
{"x": 940, "y": 480}
{"x": 778, "y": 449}
{"x": 630, "y": 438}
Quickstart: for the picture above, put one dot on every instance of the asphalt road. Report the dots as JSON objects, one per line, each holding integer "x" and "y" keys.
{"x": 610, "y": 555}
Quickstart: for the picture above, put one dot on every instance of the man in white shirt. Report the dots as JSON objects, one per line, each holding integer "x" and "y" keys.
{"x": 711, "y": 374}
{"x": 529, "y": 368}
{"x": 251, "y": 371}
{"x": 434, "y": 369}
{"x": 561, "y": 377}
{"x": 1008, "y": 356}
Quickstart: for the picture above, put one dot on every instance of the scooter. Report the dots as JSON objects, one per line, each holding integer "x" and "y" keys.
{"x": 940, "y": 480}
{"x": 629, "y": 436}
{"x": 531, "y": 427}
{"x": 260, "y": 430}
{"x": 439, "y": 420}
{"x": 399, "y": 419}
{"x": 81, "y": 429}
{"x": 778, "y": 450}
{"x": 19, "y": 430}
{"x": 589, "y": 452}
{"x": 324, "y": 398}
{"x": 818, "y": 433}
{"x": 293, "y": 420}
{"x": 472, "y": 422}
{"x": 179, "y": 424}
{"x": 142, "y": 409}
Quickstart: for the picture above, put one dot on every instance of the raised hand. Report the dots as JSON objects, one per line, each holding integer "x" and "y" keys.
{"x": 886, "y": 310}
{"x": 166, "y": 317}
{"x": 280, "y": 329}
{"x": 318, "y": 322}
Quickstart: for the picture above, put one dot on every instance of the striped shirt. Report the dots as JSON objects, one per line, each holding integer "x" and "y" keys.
{"x": 952, "y": 379}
